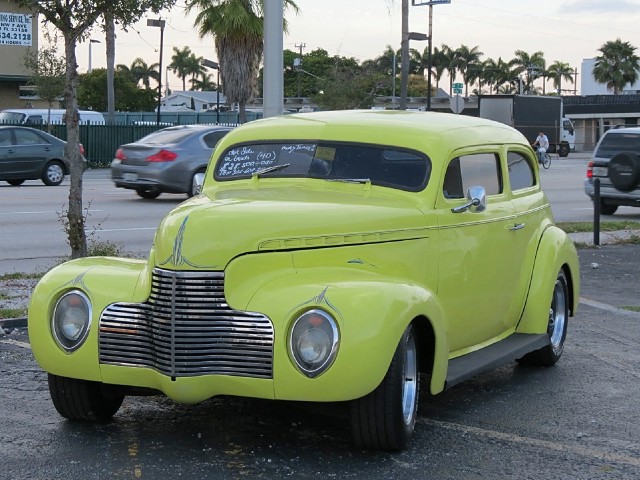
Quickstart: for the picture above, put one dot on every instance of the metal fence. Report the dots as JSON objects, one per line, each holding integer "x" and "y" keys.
{"x": 101, "y": 141}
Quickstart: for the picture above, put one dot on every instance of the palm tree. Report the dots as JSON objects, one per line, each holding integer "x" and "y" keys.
{"x": 559, "y": 71}
{"x": 532, "y": 65}
{"x": 440, "y": 60}
{"x": 194, "y": 67}
{"x": 204, "y": 83}
{"x": 467, "y": 59}
{"x": 237, "y": 27}
{"x": 617, "y": 66}
{"x": 143, "y": 72}
{"x": 182, "y": 64}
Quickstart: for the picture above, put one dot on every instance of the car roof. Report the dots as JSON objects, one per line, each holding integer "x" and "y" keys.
{"x": 420, "y": 130}
{"x": 621, "y": 130}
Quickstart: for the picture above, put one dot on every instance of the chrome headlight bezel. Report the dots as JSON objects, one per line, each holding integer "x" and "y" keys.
{"x": 73, "y": 311}
{"x": 314, "y": 328}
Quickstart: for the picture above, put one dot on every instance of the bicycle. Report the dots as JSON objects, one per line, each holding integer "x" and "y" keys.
{"x": 546, "y": 161}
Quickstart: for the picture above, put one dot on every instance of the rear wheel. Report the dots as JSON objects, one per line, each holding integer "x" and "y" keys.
{"x": 196, "y": 183}
{"x": 148, "y": 193}
{"x": 53, "y": 173}
{"x": 385, "y": 418}
{"x": 556, "y": 327}
{"x": 15, "y": 183}
{"x": 82, "y": 400}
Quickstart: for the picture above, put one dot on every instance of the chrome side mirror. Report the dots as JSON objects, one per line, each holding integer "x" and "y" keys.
{"x": 476, "y": 201}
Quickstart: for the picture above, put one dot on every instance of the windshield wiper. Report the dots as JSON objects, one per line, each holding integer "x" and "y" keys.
{"x": 349, "y": 180}
{"x": 272, "y": 168}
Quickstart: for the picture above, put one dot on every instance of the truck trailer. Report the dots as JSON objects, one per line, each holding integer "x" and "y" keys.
{"x": 531, "y": 114}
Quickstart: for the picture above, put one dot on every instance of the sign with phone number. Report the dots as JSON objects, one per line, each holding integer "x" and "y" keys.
{"x": 15, "y": 29}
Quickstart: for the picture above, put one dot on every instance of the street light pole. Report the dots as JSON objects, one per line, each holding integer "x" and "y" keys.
{"x": 216, "y": 66}
{"x": 430, "y": 3}
{"x": 91, "y": 41}
{"x": 158, "y": 23}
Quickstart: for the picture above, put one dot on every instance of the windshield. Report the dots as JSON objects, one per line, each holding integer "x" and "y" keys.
{"x": 385, "y": 166}
{"x": 11, "y": 117}
{"x": 614, "y": 143}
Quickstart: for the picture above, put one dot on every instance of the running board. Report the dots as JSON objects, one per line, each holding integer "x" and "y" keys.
{"x": 500, "y": 353}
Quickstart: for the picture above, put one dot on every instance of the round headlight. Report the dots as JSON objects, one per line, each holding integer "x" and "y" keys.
{"x": 71, "y": 319}
{"x": 314, "y": 342}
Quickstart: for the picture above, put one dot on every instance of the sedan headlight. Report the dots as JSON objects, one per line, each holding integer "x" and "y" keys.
{"x": 71, "y": 320}
{"x": 313, "y": 342}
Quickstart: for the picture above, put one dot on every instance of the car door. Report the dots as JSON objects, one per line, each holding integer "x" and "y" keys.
{"x": 31, "y": 152}
{"x": 6, "y": 152}
{"x": 531, "y": 209}
{"x": 476, "y": 252}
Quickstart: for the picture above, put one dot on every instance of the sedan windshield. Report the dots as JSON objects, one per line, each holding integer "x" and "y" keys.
{"x": 380, "y": 165}
{"x": 11, "y": 117}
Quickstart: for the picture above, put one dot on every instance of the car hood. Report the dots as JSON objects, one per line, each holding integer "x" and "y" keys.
{"x": 207, "y": 232}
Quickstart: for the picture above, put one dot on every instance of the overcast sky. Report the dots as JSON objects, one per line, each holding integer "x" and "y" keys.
{"x": 565, "y": 30}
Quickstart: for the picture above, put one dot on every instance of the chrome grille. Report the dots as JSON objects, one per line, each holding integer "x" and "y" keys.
{"x": 186, "y": 328}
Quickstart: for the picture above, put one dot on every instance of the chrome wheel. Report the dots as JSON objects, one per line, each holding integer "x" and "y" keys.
{"x": 410, "y": 381}
{"x": 53, "y": 174}
{"x": 196, "y": 184}
{"x": 558, "y": 317}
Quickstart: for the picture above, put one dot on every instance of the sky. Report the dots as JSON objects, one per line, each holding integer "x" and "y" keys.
{"x": 565, "y": 30}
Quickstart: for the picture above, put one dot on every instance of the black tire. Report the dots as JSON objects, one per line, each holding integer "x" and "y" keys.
{"x": 607, "y": 209}
{"x": 563, "y": 150}
{"x": 53, "y": 173}
{"x": 557, "y": 327}
{"x": 15, "y": 183}
{"x": 193, "y": 187}
{"x": 385, "y": 418}
{"x": 546, "y": 163}
{"x": 148, "y": 193}
{"x": 624, "y": 171}
{"x": 82, "y": 400}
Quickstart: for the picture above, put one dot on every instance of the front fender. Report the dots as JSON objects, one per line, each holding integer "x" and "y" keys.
{"x": 372, "y": 311}
{"x": 555, "y": 252}
{"x": 103, "y": 280}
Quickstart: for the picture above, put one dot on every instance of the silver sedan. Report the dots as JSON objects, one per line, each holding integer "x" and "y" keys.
{"x": 171, "y": 160}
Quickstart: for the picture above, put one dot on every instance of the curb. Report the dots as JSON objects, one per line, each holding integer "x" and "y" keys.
{"x": 20, "y": 322}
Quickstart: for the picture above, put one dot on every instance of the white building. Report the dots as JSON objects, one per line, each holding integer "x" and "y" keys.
{"x": 181, "y": 101}
{"x": 588, "y": 86}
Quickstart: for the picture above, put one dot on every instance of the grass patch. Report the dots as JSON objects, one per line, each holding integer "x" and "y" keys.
{"x": 20, "y": 276}
{"x": 633, "y": 309}
{"x": 579, "y": 227}
{"x": 13, "y": 312}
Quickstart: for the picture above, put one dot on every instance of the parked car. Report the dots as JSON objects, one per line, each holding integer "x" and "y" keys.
{"x": 171, "y": 160}
{"x": 616, "y": 162}
{"x": 331, "y": 257}
{"x": 30, "y": 154}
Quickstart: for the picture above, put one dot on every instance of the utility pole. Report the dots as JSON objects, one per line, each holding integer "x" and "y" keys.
{"x": 301, "y": 46}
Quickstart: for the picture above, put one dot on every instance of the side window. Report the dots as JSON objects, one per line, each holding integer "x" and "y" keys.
{"x": 27, "y": 137}
{"x": 211, "y": 139}
{"x": 472, "y": 170}
{"x": 5, "y": 137}
{"x": 520, "y": 171}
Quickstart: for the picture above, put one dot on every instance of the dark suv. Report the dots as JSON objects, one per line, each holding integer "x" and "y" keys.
{"x": 616, "y": 162}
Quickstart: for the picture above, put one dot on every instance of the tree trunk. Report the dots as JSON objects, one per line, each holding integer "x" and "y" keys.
{"x": 75, "y": 226}
{"x": 110, "y": 39}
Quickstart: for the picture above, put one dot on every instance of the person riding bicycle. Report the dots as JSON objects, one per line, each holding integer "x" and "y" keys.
{"x": 542, "y": 142}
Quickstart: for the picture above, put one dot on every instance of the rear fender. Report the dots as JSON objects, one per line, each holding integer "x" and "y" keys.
{"x": 555, "y": 252}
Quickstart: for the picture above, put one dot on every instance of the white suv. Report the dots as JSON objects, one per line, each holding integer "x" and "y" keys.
{"x": 616, "y": 162}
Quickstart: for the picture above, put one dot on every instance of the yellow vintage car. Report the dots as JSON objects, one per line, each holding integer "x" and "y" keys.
{"x": 331, "y": 256}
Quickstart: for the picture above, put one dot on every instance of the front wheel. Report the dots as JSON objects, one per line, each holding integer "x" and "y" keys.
{"x": 563, "y": 150}
{"x": 546, "y": 161}
{"x": 53, "y": 174}
{"x": 82, "y": 400}
{"x": 196, "y": 183}
{"x": 15, "y": 183}
{"x": 556, "y": 327}
{"x": 385, "y": 418}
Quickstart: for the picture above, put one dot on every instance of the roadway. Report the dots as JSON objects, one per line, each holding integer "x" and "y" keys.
{"x": 32, "y": 237}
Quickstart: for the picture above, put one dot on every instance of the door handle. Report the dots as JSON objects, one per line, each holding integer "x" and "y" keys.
{"x": 517, "y": 226}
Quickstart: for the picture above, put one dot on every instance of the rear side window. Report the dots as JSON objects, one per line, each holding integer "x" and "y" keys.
{"x": 613, "y": 143}
{"x": 211, "y": 139}
{"x": 520, "y": 171}
{"x": 465, "y": 171}
{"x": 27, "y": 137}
